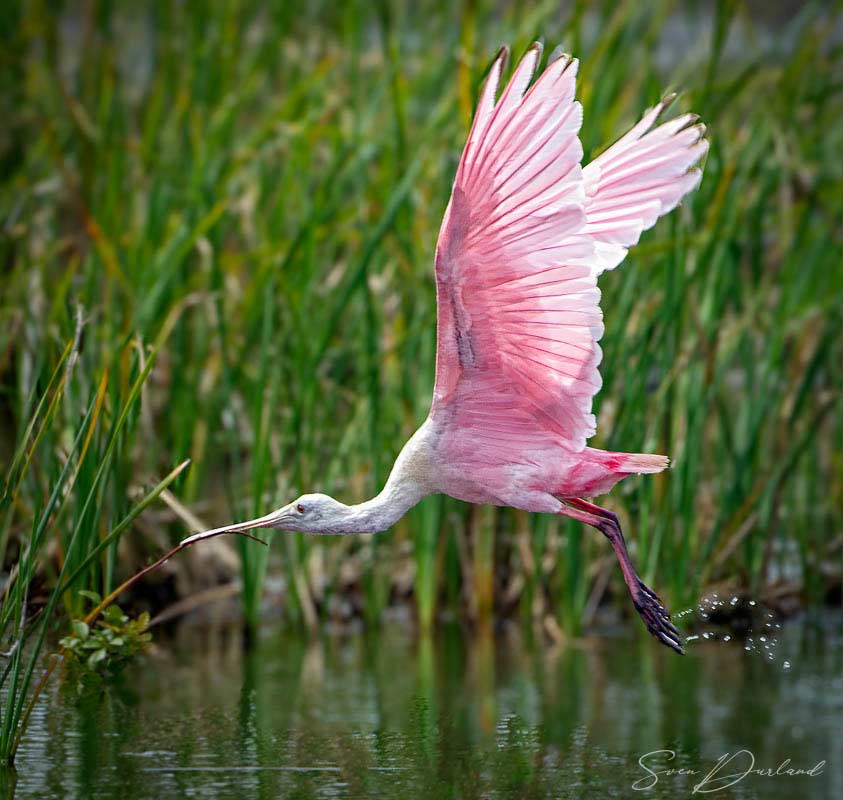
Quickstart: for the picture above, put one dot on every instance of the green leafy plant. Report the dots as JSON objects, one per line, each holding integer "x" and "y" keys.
{"x": 107, "y": 645}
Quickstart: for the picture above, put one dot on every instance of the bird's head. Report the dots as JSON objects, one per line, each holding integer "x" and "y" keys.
{"x": 310, "y": 513}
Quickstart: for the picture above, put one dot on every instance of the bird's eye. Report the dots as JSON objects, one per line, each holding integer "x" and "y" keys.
{"x": 300, "y": 508}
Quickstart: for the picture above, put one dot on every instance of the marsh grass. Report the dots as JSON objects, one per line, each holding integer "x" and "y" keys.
{"x": 218, "y": 231}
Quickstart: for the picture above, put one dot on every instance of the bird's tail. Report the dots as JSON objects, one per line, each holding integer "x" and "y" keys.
{"x": 634, "y": 463}
{"x": 600, "y": 470}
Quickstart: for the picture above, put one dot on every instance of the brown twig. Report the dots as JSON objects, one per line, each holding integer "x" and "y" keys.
{"x": 152, "y": 567}
{"x": 101, "y": 607}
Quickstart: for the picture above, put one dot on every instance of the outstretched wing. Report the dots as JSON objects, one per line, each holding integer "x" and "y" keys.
{"x": 518, "y": 314}
{"x": 519, "y": 251}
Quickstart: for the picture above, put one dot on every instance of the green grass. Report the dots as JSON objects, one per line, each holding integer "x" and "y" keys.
{"x": 218, "y": 232}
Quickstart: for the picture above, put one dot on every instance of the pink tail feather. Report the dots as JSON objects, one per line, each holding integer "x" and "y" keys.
{"x": 600, "y": 470}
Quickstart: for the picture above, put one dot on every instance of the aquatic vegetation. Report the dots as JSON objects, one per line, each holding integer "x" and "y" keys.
{"x": 106, "y": 646}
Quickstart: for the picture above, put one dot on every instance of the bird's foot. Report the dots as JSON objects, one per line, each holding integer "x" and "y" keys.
{"x": 656, "y": 617}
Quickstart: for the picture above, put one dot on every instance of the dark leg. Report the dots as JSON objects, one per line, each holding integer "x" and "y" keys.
{"x": 646, "y": 601}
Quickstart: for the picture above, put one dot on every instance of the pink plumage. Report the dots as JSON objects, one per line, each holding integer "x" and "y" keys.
{"x": 525, "y": 235}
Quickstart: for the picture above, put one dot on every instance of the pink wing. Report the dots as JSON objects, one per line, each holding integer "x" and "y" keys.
{"x": 518, "y": 313}
{"x": 517, "y": 260}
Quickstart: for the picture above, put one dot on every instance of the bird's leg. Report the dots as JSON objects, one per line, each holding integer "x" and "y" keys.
{"x": 646, "y": 601}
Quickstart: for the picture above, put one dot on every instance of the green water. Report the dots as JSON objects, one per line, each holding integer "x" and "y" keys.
{"x": 460, "y": 715}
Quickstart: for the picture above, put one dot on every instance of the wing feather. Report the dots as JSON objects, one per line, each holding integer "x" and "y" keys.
{"x": 638, "y": 179}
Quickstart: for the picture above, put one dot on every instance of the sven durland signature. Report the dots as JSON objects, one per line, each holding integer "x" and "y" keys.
{"x": 729, "y": 769}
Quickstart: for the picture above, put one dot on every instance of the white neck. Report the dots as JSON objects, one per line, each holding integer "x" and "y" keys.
{"x": 408, "y": 483}
{"x": 382, "y": 511}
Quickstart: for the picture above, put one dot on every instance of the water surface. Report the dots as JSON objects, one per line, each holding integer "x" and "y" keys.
{"x": 459, "y": 715}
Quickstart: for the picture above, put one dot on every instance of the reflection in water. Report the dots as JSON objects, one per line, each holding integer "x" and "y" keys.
{"x": 486, "y": 715}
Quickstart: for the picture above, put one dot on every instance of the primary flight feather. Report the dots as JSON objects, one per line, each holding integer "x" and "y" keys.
{"x": 524, "y": 237}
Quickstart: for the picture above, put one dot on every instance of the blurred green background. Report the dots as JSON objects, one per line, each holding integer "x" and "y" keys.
{"x": 218, "y": 225}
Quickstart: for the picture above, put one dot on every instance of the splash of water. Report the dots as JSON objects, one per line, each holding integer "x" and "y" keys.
{"x": 760, "y": 639}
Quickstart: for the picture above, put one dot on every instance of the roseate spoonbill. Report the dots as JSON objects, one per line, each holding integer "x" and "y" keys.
{"x": 525, "y": 235}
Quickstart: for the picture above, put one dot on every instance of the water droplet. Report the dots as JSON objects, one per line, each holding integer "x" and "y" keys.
{"x": 734, "y": 601}
{"x": 691, "y": 638}
{"x": 747, "y": 648}
{"x": 727, "y": 638}
{"x": 763, "y": 638}
{"x": 786, "y": 665}
{"x": 752, "y": 602}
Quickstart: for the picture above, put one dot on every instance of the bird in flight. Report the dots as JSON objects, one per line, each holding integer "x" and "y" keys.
{"x": 525, "y": 235}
